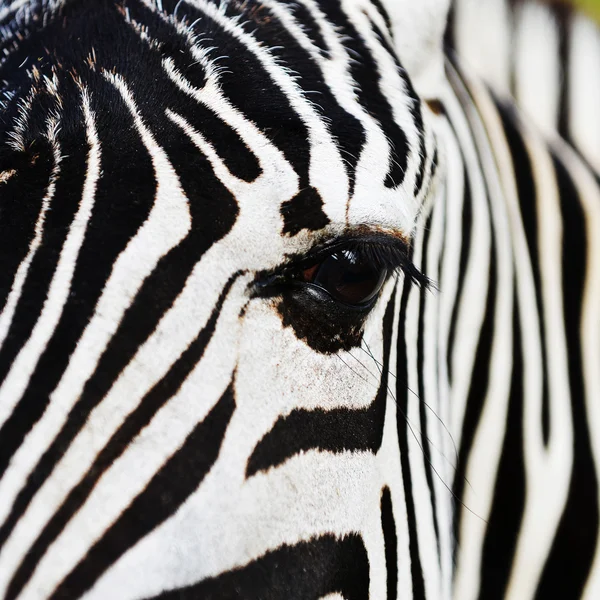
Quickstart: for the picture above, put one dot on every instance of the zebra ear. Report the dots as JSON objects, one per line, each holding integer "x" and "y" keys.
{"x": 418, "y": 28}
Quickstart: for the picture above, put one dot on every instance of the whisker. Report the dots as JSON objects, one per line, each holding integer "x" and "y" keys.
{"x": 380, "y": 365}
{"x": 376, "y": 386}
{"x": 355, "y": 372}
{"x": 454, "y": 468}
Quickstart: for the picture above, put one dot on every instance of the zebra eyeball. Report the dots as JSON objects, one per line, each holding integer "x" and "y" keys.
{"x": 347, "y": 277}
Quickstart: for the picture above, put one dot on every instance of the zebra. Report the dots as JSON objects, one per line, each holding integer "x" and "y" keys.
{"x": 293, "y": 304}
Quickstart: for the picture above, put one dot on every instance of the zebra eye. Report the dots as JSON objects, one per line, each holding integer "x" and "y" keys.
{"x": 347, "y": 277}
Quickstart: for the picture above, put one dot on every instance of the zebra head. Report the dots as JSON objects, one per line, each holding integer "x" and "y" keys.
{"x": 207, "y": 212}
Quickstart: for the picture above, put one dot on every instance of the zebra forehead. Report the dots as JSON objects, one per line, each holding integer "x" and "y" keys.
{"x": 278, "y": 52}
{"x": 315, "y": 83}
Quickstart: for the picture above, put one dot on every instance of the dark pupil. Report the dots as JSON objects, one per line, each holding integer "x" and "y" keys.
{"x": 348, "y": 279}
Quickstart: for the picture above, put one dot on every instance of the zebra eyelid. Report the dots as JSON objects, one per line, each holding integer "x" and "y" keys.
{"x": 383, "y": 250}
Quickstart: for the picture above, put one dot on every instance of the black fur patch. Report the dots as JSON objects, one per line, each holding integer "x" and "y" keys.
{"x": 337, "y": 430}
{"x": 304, "y": 211}
{"x": 324, "y": 324}
{"x": 306, "y": 571}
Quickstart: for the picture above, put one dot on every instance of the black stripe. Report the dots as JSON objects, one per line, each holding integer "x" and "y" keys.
{"x": 528, "y": 200}
{"x": 345, "y": 129}
{"x": 228, "y": 144}
{"x": 509, "y": 492}
{"x": 337, "y": 430}
{"x": 213, "y": 212}
{"x": 388, "y": 525}
{"x": 478, "y": 390}
{"x": 310, "y": 27}
{"x": 35, "y": 291}
{"x": 569, "y": 563}
{"x": 18, "y": 217}
{"x": 562, "y": 14}
{"x": 380, "y": 8}
{"x": 115, "y": 219}
{"x": 513, "y": 56}
{"x": 173, "y": 45}
{"x": 402, "y": 425}
{"x": 252, "y": 88}
{"x": 139, "y": 418}
{"x": 164, "y": 494}
{"x": 465, "y": 234}
{"x": 424, "y": 441}
{"x": 365, "y": 72}
{"x": 415, "y": 108}
{"x": 306, "y": 571}
{"x": 449, "y": 33}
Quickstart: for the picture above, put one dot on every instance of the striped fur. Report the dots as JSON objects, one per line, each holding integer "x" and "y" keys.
{"x": 173, "y": 424}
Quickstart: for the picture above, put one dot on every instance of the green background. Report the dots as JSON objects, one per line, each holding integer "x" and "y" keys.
{"x": 591, "y": 6}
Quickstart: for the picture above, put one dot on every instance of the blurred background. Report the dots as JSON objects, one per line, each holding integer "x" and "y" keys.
{"x": 591, "y": 6}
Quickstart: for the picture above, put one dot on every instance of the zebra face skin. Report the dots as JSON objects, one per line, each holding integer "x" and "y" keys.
{"x": 206, "y": 213}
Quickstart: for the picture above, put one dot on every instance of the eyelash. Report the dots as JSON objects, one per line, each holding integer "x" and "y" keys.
{"x": 378, "y": 250}
{"x": 388, "y": 256}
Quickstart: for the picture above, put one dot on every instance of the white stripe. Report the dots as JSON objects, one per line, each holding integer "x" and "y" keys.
{"x": 483, "y": 39}
{"x": 437, "y": 570}
{"x": 16, "y": 289}
{"x": 584, "y": 89}
{"x": 472, "y": 299}
{"x": 548, "y": 469}
{"x": 402, "y": 204}
{"x": 415, "y": 429}
{"x": 537, "y": 67}
{"x": 24, "y": 365}
{"x": 167, "y": 223}
{"x": 326, "y": 168}
{"x": 22, "y": 462}
{"x": 589, "y": 197}
{"x": 483, "y": 460}
{"x": 371, "y": 169}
